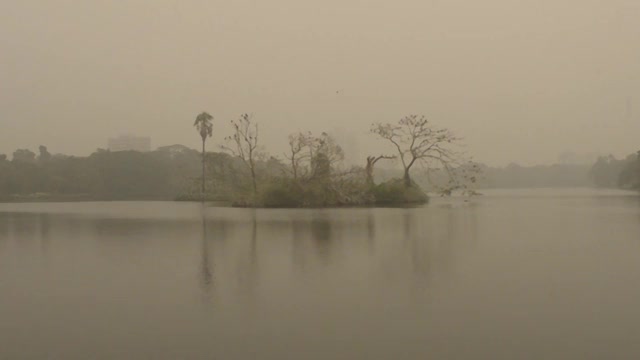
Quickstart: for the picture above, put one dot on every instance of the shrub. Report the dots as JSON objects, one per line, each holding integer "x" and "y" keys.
{"x": 395, "y": 192}
{"x": 288, "y": 193}
{"x": 283, "y": 194}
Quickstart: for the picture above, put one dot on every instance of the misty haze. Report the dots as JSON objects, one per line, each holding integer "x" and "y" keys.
{"x": 332, "y": 180}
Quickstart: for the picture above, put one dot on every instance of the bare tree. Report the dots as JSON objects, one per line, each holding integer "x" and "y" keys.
{"x": 460, "y": 176}
{"x": 310, "y": 155}
{"x": 244, "y": 144}
{"x": 371, "y": 161}
{"x": 416, "y": 139}
{"x": 299, "y": 146}
{"x": 325, "y": 154}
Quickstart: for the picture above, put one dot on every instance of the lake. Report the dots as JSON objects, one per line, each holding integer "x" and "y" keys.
{"x": 513, "y": 274}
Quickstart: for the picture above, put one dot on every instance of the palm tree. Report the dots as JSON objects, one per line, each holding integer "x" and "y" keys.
{"x": 205, "y": 129}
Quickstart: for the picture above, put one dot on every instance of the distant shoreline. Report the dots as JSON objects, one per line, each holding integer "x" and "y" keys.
{"x": 34, "y": 198}
{"x": 51, "y": 198}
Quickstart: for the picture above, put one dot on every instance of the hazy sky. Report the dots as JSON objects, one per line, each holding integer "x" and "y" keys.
{"x": 519, "y": 80}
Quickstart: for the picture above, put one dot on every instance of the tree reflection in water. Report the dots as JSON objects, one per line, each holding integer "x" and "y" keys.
{"x": 417, "y": 244}
{"x": 248, "y": 268}
{"x": 371, "y": 232}
{"x": 418, "y": 247}
{"x": 4, "y": 227}
{"x": 298, "y": 249}
{"x": 206, "y": 267}
{"x": 321, "y": 234}
{"x": 45, "y": 230}
{"x": 434, "y": 237}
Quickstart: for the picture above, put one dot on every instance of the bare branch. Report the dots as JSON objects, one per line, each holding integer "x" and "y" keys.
{"x": 416, "y": 140}
{"x": 243, "y": 144}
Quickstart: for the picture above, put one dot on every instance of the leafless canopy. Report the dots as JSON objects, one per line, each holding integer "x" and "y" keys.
{"x": 300, "y": 145}
{"x": 244, "y": 144}
{"x": 415, "y": 139}
{"x": 305, "y": 149}
{"x": 371, "y": 161}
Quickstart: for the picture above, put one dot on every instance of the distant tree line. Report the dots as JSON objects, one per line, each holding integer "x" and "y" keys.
{"x": 512, "y": 176}
{"x": 538, "y": 176}
{"x": 161, "y": 174}
{"x": 609, "y": 172}
{"x": 606, "y": 172}
{"x": 311, "y": 173}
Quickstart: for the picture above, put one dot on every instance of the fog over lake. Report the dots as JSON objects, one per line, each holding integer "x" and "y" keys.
{"x": 521, "y": 81}
{"x": 328, "y": 180}
{"x": 527, "y": 274}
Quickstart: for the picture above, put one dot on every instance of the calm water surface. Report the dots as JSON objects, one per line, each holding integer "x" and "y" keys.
{"x": 537, "y": 274}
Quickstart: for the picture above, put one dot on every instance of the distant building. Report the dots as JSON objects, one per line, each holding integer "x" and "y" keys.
{"x": 175, "y": 150}
{"x": 130, "y": 143}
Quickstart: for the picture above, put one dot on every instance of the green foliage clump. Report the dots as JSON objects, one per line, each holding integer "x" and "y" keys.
{"x": 609, "y": 172}
{"x": 104, "y": 175}
{"x": 283, "y": 194}
{"x": 287, "y": 193}
{"x": 315, "y": 192}
{"x": 396, "y": 192}
{"x": 629, "y": 177}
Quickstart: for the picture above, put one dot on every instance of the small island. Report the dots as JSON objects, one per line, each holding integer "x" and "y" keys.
{"x": 312, "y": 173}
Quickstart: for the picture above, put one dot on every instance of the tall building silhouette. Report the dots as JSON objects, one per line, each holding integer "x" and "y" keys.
{"x": 130, "y": 143}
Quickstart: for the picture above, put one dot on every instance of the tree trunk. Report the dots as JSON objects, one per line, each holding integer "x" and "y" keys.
{"x": 407, "y": 178}
{"x": 255, "y": 185}
{"x": 203, "y": 175}
{"x": 369, "y": 170}
{"x": 294, "y": 167}
{"x": 370, "y": 181}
